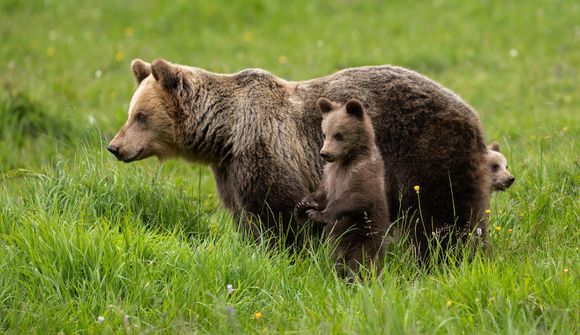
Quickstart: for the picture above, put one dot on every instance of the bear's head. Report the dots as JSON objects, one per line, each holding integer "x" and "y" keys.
{"x": 501, "y": 178}
{"x": 347, "y": 130}
{"x": 153, "y": 111}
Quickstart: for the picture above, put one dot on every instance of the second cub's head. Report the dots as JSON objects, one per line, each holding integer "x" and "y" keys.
{"x": 347, "y": 130}
{"x": 501, "y": 178}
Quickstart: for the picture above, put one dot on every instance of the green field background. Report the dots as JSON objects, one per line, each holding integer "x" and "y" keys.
{"x": 93, "y": 246}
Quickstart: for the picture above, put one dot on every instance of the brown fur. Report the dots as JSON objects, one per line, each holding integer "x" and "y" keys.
{"x": 351, "y": 200}
{"x": 261, "y": 136}
{"x": 501, "y": 178}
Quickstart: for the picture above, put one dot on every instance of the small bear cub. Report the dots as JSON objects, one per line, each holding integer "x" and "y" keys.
{"x": 501, "y": 178}
{"x": 350, "y": 201}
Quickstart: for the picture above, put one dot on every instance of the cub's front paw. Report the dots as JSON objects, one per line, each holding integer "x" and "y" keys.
{"x": 315, "y": 215}
{"x": 301, "y": 207}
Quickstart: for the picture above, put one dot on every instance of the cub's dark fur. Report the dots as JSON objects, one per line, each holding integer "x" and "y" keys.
{"x": 350, "y": 201}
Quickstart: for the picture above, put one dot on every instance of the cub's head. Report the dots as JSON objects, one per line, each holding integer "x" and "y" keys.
{"x": 149, "y": 129}
{"x": 501, "y": 178}
{"x": 347, "y": 130}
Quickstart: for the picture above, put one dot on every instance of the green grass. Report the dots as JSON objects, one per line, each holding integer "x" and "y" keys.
{"x": 147, "y": 246}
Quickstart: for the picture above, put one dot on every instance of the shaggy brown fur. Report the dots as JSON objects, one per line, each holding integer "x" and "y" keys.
{"x": 351, "y": 200}
{"x": 501, "y": 178}
{"x": 261, "y": 136}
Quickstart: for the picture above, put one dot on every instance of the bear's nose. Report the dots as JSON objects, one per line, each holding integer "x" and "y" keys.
{"x": 511, "y": 180}
{"x": 324, "y": 155}
{"x": 114, "y": 150}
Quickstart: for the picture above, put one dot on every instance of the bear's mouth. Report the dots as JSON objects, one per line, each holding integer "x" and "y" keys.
{"x": 503, "y": 186}
{"x": 134, "y": 158}
{"x": 329, "y": 159}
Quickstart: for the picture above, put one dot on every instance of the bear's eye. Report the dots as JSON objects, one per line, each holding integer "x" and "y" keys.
{"x": 494, "y": 167}
{"x": 506, "y": 167}
{"x": 338, "y": 136}
{"x": 140, "y": 117}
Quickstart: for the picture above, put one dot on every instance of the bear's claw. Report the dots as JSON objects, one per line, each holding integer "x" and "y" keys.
{"x": 301, "y": 206}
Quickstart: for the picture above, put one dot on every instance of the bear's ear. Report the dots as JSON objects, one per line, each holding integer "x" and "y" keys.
{"x": 494, "y": 146}
{"x": 355, "y": 108}
{"x": 141, "y": 70}
{"x": 325, "y": 105}
{"x": 165, "y": 73}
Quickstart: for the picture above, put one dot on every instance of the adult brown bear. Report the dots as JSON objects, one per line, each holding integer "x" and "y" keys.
{"x": 261, "y": 136}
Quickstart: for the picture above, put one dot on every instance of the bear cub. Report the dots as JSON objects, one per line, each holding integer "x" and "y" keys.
{"x": 350, "y": 202}
{"x": 501, "y": 178}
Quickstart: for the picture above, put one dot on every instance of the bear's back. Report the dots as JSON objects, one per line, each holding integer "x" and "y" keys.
{"x": 427, "y": 135}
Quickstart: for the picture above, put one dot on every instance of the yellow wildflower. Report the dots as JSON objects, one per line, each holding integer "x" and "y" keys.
{"x": 258, "y": 315}
{"x": 497, "y": 228}
{"x": 449, "y": 303}
{"x": 129, "y": 31}
{"x": 566, "y": 270}
{"x": 248, "y": 37}
{"x": 487, "y": 211}
{"x": 417, "y": 188}
{"x": 119, "y": 56}
{"x": 510, "y": 231}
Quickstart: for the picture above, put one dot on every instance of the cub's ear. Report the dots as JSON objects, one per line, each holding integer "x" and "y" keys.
{"x": 325, "y": 105}
{"x": 494, "y": 146}
{"x": 355, "y": 108}
{"x": 141, "y": 69}
{"x": 165, "y": 73}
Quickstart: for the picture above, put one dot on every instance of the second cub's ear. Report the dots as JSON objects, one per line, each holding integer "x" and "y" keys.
{"x": 325, "y": 105}
{"x": 355, "y": 108}
{"x": 141, "y": 69}
{"x": 165, "y": 73}
{"x": 494, "y": 146}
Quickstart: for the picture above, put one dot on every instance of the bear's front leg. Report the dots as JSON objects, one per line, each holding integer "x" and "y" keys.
{"x": 353, "y": 206}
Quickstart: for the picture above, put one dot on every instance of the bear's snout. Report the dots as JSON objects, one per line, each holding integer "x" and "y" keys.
{"x": 511, "y": 180}
{"x": 326, "y": 156}
{"x": 114, "y": 150}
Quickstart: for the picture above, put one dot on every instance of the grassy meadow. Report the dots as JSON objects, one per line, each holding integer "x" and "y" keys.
{"x": 93, "y": 246}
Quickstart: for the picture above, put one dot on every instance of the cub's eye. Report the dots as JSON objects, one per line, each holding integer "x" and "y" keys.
{"x": 140, "y": 117}
{"x": 338, "y": 136}
{"x": 494, "y": 167}
{"x": 323, "y": 136}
